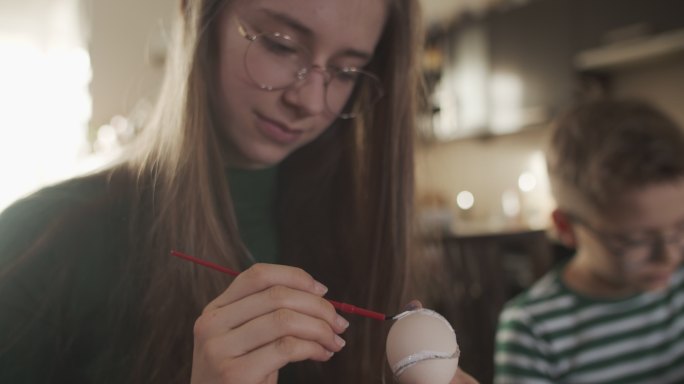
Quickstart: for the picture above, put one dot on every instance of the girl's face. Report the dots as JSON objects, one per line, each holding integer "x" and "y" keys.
{"x": 259, "y": 127}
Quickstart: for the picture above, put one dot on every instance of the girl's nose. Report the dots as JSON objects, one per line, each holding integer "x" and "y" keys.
{"x": 308, "y": 95}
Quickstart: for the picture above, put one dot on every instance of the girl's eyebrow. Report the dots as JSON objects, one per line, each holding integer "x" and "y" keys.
{"x": 304, "y": 30}
{"x": 289, "y": 21}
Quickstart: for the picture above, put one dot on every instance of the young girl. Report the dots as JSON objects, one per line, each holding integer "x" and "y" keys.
{"x": 281, "y": 146}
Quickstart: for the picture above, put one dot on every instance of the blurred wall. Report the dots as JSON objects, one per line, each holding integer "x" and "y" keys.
{"x": 661, "y": 81}
{"x": 487, "y": 168}
{"x": 126, "y": 48}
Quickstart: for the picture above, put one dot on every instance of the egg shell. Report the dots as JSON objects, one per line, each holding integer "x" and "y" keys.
{"x": 424, "y": 336}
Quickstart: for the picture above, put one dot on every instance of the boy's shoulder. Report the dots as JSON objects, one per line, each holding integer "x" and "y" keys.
{"x": 549, "y": 297}
{"x": 546, "y": 287}
{"x": 545, "y": 295}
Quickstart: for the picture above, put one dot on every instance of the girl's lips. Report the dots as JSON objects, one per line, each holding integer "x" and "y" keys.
{"x": 276, "y": 131}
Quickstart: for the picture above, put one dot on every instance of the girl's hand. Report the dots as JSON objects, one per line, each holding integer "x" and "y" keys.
{"x": 269, "y": 316}
{"x": 463, "y": 378}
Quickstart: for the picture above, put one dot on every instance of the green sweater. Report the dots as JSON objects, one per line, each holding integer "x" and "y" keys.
{"x": 50, "y": 335}
{"x": 254, "y": 194}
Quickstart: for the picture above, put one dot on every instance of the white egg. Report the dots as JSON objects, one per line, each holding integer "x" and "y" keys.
{"x": 422, "y": 348}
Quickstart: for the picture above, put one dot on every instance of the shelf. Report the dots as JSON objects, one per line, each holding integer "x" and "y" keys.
{"x": 631, "y": 52}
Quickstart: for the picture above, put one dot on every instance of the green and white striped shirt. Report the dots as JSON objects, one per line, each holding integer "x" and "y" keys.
{"x": 550, "y": 334}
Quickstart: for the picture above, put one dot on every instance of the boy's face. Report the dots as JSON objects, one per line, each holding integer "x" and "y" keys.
{"x": 639, "y": 246}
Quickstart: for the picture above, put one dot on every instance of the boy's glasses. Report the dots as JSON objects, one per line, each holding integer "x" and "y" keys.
{"x": 275, "y": 61}
{"x": 637, "y": 247}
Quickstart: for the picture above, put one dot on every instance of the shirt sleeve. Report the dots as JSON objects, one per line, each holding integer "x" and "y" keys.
{"x": 521, "y": 356}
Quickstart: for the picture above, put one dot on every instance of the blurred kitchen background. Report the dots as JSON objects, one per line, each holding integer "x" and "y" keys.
{"x": 78, "y": 78}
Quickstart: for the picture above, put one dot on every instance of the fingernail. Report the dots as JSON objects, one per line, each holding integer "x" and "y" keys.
{"x": 340, "y": 341}
{"x": 411, "y": 306}
{"x": 320, "y": 288}
{"x": 341, "y": 322}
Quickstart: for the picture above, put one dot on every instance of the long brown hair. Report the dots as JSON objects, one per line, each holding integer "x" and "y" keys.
{"x": 344, "y": 206}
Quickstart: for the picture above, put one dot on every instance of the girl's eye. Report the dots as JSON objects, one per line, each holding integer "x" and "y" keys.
{"x": 279, "y": 45}
{"x": 346, "y": 75}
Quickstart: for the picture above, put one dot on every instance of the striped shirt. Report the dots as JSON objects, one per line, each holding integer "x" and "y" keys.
{"x": 550, "y": 334}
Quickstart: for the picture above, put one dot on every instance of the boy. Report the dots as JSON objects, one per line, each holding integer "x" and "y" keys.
{"x": 615, "y": 312}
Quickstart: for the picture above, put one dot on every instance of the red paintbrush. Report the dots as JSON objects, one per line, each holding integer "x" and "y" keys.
{"x": 344, "y": 307}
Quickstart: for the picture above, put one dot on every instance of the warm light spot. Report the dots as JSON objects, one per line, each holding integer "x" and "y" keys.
{"x": 527, "y": 182}
{"x": 465, "y": 200}
{"x": 506, "y": 103}
{"x": 510, "y": 203}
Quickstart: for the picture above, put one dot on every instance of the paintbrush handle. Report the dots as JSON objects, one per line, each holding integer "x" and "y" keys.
{"x": 344, "y": 307}
{"x": 205, "y": 263}
{"x": 348, "y": 308}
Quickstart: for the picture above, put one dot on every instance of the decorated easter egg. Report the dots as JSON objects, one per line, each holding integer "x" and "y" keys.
{"x": 422, "y": 348}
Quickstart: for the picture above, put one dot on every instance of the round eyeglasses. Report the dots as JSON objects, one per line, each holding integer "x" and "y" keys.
{"x": 274, "y": 61}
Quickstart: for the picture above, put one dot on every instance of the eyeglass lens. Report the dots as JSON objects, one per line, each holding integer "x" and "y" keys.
{"x": 638, "y": 246}
{"x": 274, "y": 61}
{"x": 653, "y": 246}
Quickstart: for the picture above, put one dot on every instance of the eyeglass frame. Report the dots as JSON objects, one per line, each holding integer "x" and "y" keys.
{"x": 303, "y": 73}
{"x": 656, "y": 243}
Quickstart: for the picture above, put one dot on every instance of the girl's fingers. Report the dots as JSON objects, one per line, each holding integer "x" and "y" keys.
{"x": 261, "y": 276}
{"x": 413, "y": 305}
{"x": 269, "y": 316}
{"x": 277, "y": 297}
{"x": 256, "y": 366}
{"x": 463, "y": 378}
{"x": 281, "y": 324}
